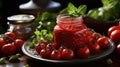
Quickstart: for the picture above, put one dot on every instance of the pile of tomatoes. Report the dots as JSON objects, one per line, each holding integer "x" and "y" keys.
{"x": 97, "y": 43}
{"x": 10, "y": 44}
{"x": 114, "y": 34}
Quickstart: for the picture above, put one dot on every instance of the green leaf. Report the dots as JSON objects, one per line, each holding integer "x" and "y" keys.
{"x": 2, "y": 60}
{"x": 82, "y": 9}
{"x": 43, "y": 32}
{"x": 93, "y": 13}
{"x": 45, "y": 16}
{"x": 71, "y": 9}
{"x": 108, "y": 2}
{"x": 109, "y": 61}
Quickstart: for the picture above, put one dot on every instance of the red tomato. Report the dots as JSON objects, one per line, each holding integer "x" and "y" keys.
{"x": 61, "y": 48}
{"x": 49, "y": 46}
{"x": 45, "y": 53}
{"x": 103, "y": 42}
{"x": 56, "y": 55}
{"x": 115, "y": 36}
{"x": 67, "y": 54}
{"x": 111, "y": 29}
{"x": 94, "y": 48}
{"x": 1, "y": 43}
{"x": 38, "y": 48}
{"x": 118, "y": 49}
{"x": 9, "y": 37}
{"x": 18, "y": 43}
{"x": 8, "y": 49}
{"x": 43, "y": 45}
{"x": 96, "y": 35}
{"x": 54, "y": 46}
{"x": 83, "y": 52}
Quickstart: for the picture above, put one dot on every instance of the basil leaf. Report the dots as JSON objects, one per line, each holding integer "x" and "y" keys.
{"x": 82, "y": 9}
{"x": 71, "y": 9}
{"x": 93, "y": 13}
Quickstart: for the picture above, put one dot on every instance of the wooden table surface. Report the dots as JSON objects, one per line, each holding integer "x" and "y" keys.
{"x": 103, "y": 62}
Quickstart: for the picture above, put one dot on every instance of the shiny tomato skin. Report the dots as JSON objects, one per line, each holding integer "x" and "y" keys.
{"x": 18, "y": 43}
{"x": 83, "y": 52}
{"x": 45, "y": 53}
{"x": 8, "y": 49}
{"x": 94, "y": 48}
{"x": 49, "y": 46}
{"x": 96, "y": 35}
{"x": 118, "y": 49}
{"x": 1, "y": 43}
{"x": 54, "y": 46}
{"x": 111, "y": 29}
{"x": 67, "y": 54}
{"x": 43, "y": 45}
{"x": 115, "y": 36}
{"x": 37, "y": 48}
{"x": 9, "y": 37}
{"x": 103, "y": 42}
{"x": 56, "y": 55}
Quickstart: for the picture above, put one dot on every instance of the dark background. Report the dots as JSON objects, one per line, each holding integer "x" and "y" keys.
{"x": 11, "y": 7}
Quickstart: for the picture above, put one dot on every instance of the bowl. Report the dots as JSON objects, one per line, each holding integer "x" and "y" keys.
{"x": 99, "y": 25}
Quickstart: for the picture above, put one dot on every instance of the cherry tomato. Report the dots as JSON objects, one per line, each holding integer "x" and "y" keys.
{"x": 18, "y": 43}
{"x": 83, "y": 52}
{"x": 43, "y": 45}
{"x": 115, "y": 36}
{"x": 61, "y": 48}
{"x": 8, "y": 49}
{"x": 94, "y": 48}
{"x": 38, "y": 48}
{"x": 111, "y": 29}
{"x": 67, "y": 54}
{"x": 9, "y": 37}
{"x": 96, "y": 35}
{"x": 1, "y": 43}
{"x": 103, "y": 42}
{"x": 49, "y": 46}
{"x": 118, "y": 49}
{"x": 45, "y": 53}
{"x": 56, "y": 55}
{"x": 54, "y": 46}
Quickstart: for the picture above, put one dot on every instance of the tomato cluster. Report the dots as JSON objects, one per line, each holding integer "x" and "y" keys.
{"x": 114, "y": 34}
{"x": 10, "y": 44}
{"x": 50, "y": 50}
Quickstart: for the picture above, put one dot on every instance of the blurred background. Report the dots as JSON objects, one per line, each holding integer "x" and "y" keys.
{"x": 11, "y": 7}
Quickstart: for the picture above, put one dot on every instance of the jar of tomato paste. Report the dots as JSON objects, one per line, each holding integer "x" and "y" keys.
{"x": 21, "y": 25}
{"x": 71, "y": 32}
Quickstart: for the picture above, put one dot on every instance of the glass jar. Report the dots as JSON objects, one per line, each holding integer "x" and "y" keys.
{"x": 21, "y": 25}
{"x": 71, "y": 32}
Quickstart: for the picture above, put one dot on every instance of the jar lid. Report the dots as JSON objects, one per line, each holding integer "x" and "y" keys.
{"x": 21, "y": 18}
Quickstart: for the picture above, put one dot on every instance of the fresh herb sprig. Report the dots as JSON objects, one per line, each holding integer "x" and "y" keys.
{"x": 45, "y": 35}
{"x": 74, "y": 11}
{"x": 44, "y": 24}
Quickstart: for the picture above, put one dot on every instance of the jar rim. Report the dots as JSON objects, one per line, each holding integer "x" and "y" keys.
{"x": 21, "y": 18}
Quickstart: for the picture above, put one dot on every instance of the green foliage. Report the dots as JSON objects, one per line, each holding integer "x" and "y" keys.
{"x": 74, "y": 11}
{"x": 44, "y": 34}
{"x": 109, "y": 11}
